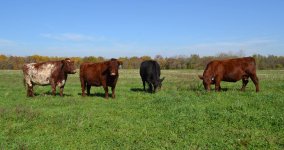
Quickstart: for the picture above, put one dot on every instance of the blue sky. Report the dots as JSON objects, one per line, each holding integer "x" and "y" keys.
{"x": 116, "y": 28}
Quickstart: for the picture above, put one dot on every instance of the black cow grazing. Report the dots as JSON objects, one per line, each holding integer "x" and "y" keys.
{"x": 150, "y": 72}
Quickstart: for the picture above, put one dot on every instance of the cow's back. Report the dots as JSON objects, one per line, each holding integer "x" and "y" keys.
{"x": 244, "y": 65}
{"x": 39, "y": 73}
{"x": 231, "y": 69}
{"x": 150, "y": 70}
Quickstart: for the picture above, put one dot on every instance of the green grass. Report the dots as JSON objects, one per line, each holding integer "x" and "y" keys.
{"x": 181, "y": 116}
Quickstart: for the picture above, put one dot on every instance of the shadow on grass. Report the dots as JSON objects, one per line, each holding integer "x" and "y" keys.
{"x": 223, "y": 89}
{"x": 96, "y": 95}
{"x": 136, "y": 90}
{"x": 211, "y": 90}
{"x": 48, "y": 93}
{"x": 140, "y": 90}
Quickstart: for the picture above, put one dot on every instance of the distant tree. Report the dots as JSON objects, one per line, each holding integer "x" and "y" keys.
{"x": 3, "y": 58}
{"x": 90, "y": 59}
{"x": 193, "y": 61}
{"x": 135, "y": 62}
{"x": 143, "y": 58}
{"x": 162, "y": 62}
{"x": 77, "y": 61}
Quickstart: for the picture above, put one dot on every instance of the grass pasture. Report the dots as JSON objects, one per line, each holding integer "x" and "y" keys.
{"x": 181, "y": 116}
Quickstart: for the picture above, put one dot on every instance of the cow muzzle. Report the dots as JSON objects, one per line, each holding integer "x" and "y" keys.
{"x": 112, "y": 74}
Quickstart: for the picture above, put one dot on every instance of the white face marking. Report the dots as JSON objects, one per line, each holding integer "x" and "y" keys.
{"x": 60, "y": 84}
{"x": 41, "y": 75}
{"x": 212, "y": 78}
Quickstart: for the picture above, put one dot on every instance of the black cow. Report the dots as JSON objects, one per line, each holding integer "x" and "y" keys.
{"x": 150, "y": 72}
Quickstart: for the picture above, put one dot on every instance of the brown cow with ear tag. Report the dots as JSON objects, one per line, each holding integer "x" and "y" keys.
{"x": 230, "y": 70}
{"x": 99, "y": 74}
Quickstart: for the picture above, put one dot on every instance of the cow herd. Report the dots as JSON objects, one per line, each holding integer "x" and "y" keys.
{"x": 106, "y": 74}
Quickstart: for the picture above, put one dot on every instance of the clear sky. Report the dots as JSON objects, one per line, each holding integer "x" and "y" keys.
{"x": 115, "y": 28}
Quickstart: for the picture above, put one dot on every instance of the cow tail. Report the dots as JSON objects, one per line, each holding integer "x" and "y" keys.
{"x": 253, "y": 64}
{"x": 24, "y": 82}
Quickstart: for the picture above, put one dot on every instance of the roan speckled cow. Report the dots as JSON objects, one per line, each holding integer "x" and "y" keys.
{"x": 52, "y": 73}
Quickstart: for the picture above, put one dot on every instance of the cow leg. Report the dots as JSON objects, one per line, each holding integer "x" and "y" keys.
{"x": 30, "y": 92}
{"x": 144, "y": 85}
{"x": 106, "y": 92}
{"x": 150, "y": 87}
{"x": 53, "y": 87}
{"x": 245, "y": 82}
{"x": 29, "y": 86}
{"x": 83, "y": 84}
{"x": 217, "y": 85}
{"x": 255, "y": 81}
{"x": 88, "y": 89}
{"x": 113, "y": 91}
{"x": 61, "y": 90}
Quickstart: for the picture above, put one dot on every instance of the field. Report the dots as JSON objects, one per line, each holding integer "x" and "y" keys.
{"x": 180, "y": 116}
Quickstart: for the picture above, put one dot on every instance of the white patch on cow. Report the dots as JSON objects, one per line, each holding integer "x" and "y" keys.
{"x": 41, "y": 75}
{"x": 212, "y": 78}
{"x": 60, "y": 84}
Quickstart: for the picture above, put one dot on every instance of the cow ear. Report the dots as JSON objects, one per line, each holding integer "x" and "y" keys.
{"x": 63, "y": 63}
{"x": 120, "y": 62}
{"x": 68, "y": 60}
{"x": 200, "y": 77}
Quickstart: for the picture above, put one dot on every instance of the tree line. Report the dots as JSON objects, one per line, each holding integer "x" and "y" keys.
{"x": 193, "y": 61}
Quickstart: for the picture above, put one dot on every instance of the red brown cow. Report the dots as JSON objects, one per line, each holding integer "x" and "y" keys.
{"x": 52, "y": 73}
{"x": 99, "y": 74}
{"x": 230, "y": 70}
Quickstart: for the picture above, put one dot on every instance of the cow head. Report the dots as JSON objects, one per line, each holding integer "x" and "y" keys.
{"x": 113, "y": 66}
{"x": 158, "y": 84}
{"x": 207, "y": 81}
{"x": 68, "y": 66}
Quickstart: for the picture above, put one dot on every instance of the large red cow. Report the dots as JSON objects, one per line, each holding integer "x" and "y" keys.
{"x": 99, "y": 74}
{"x": 230, "y": 70}
{"x": 52, "y": 73}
